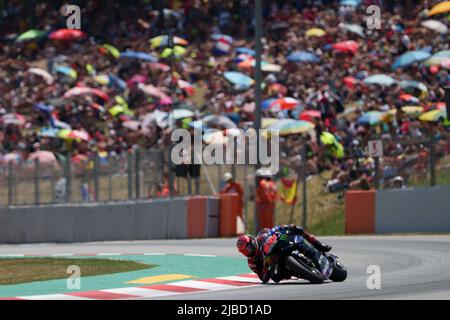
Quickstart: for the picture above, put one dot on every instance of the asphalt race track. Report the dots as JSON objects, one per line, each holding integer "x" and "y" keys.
{"x": 412, "y": 267}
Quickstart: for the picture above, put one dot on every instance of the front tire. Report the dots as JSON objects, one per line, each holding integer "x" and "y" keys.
{"x": 303, "y": 271}
{"x": 339, "y": 272}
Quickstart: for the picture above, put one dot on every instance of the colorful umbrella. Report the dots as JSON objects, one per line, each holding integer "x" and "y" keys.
{"x": 286, "y": 103}
{"x": 67, "y": 34}
{"x": 315, "y": 32}
{"x": 380, "y": 79}
{"x": 265, "y": 66}
{"x": 277, "y": 88}
{"x": 68, "y": 71}
{"x": 303, "y": 56}
{"x": 407, "y": 84}
{"x": 435, "y": 25}
{"x": 408, "y": 98}
{"x": 163, "y": 41}
{"x": 31, "y": 35}
{"x": 291, "y": 126}
{"x": 328, "y": 139}
{"x": 442, "y": 7}
{"x": 218, "y": 37}
{"x": 409, "y": 58}
{"x": 42, "y": 73}
{"x": 239, "y": 79}
{"x": 371, "y": 118}
{"x": 14, "y": 119}
{"x": 434, "y": 115}
{"x": 138, "y": 55}
{"x": 436, "y": 106}
{"x": 160, "y": 66}
{"x": 44, "y": 107}
{"x": 346, "y": 46}
{"x": 15, "y": 158}
{"x": 266, "y": 103}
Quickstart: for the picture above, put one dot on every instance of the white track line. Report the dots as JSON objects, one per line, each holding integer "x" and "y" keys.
{"x": 154, "y": 254}
{"x": 140, "y": 292}
{"x": 62, "y": 255}
{"x": 108, "y": 254}
{"x": 202, "y": 285}
{"x": 242, "y": 279}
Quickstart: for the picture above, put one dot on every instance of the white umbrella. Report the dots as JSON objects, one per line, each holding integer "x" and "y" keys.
{"x": 354, "y": 28}
{"x": 156, "y": 116}
{"x": 435, "y": 25}
{"x": 42, "y": 73}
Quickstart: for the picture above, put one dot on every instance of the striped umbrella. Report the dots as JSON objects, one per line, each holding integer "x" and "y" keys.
{"x": 291, "y": 126}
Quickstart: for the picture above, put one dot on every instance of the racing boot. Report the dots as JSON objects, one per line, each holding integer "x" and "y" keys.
{"x": 322, "y": 247}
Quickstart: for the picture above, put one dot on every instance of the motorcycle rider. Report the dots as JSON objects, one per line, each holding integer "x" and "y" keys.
{"x": 251, "y": 247}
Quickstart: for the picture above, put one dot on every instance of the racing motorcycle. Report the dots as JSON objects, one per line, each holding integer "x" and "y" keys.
{"x": 292, "y": 255}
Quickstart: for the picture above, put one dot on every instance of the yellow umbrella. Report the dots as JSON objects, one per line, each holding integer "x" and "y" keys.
{"x": 265, "y": 122}
{"x": 177, "y": 50}
{"x": 442, "y": 7}
{"x": 315, "y": 32}
{"x": 102, "y": 79}
{"x": 434, "y": 115}
{"x": 64, "y": 134}
{"x": 412, "y": 110}
{"x": 112, "y": 50}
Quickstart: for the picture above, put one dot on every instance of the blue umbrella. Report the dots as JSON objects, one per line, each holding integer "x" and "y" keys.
{"x": 442, "y": 54}
{"x": 244, "y": 50}
{"x": 68, "y": 71}
{"x": 266, "y": 103}
{"x": 370, "y": 117}
{"x": 303, "y": 56}
{"x": 44, "y": 107}
{"x": 353, "y": 3}
{"x": 117, "y": 82}
{"x": 138, "y": 55}
{"x": 49, "y": 132}
{"x": 238, "y": 79}
{"x": 409, "y": 58}
{"x": 380, "y": 79}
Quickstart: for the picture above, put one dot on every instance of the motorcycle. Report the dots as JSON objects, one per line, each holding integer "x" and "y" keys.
{"x": 292, "y": 255}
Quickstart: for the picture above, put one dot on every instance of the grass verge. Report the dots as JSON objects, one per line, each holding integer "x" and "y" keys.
{"x": 24, "y": 270}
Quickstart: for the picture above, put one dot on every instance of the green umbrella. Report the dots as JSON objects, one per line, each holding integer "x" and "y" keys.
{"x": 31, "y": 35}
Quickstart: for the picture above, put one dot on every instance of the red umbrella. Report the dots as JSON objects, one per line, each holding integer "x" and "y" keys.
{"x": 350, "y": 82}
{"x": 346, "y": 46}
{"x": 435, "y": 106}
{"x": 284, "y": 104}
{"x": 79, "y": 91}
{"x": 67, "y": 34}
{"x": 79, "y": 135}
{"x": 186, "y": 86}
{"x": 310, "y": 115}
{"x": 408, "y": 98}
{"x": 278, "y": 88}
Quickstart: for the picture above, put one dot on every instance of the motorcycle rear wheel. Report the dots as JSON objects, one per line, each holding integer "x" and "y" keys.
{"x": 301, "y": 270}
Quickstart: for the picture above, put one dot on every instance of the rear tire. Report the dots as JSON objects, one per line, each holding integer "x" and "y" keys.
{"x": 339, "y": 272}
{"x": 303, "y": 271}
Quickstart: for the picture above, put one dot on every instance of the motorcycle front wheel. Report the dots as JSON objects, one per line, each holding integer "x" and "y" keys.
{"x": 302, "y": 270}
{"x": 339, "y": 272}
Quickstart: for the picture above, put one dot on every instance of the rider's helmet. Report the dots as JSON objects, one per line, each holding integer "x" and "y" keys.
{"x": 247, "y": 245}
